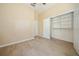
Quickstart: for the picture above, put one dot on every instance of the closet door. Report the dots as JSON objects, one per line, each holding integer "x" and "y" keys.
{"x": 62, "y": 27}
{"x": 76, "y": 30}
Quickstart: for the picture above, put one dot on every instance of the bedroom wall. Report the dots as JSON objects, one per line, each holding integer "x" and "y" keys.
{"x": 16, "y": 23}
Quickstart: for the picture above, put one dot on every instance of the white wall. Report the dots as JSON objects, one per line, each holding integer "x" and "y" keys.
{"x": 46, "y": 28}
{"x": 16, "y": 23}
{"x": 76, "y": 30}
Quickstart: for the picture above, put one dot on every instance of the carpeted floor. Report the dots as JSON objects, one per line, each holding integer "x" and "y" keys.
{"x": 40, "y": 47}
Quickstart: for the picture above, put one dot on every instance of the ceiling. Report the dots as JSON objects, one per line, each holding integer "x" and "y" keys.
{"x": 39, "y": 7}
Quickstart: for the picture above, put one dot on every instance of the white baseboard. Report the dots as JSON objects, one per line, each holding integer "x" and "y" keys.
{"x": 8, "y": 44}
{"x": 44, "y": 36}
{"x": 55, "y": 38}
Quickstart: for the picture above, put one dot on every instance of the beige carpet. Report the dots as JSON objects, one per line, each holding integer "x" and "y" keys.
{"x": 40, "y": 47}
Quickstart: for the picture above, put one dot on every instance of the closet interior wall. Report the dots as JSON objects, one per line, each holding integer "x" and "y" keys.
{"x": 61, "y": 27}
